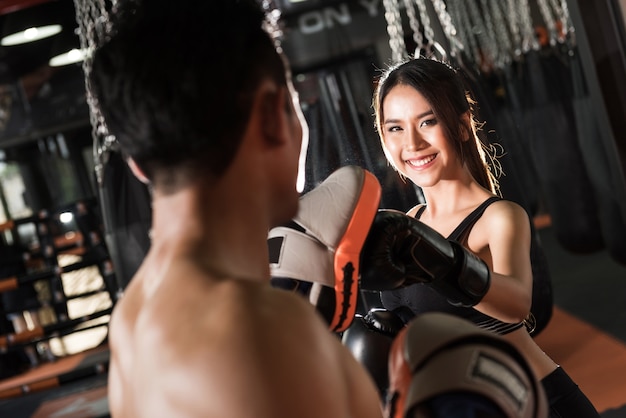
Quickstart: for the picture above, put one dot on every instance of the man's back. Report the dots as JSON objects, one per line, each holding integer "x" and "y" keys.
{"x": 203, "y": 346}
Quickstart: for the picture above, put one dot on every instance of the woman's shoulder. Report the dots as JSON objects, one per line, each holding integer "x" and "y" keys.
{"x": 506, "y": 208}
{"x": 505, "y": 215}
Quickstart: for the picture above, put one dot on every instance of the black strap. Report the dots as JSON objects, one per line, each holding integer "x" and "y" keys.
{"x": 419, "y": 212}
{"x": 468, "y": 222}
{"x": 471, "y": 219}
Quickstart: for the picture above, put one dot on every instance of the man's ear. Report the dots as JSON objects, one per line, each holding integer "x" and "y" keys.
{"x": 138, "y": 172}
{"x": 273, "y": 108}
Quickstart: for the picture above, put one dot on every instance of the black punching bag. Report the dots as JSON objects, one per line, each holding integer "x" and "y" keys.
{"x": 550, "y": 127}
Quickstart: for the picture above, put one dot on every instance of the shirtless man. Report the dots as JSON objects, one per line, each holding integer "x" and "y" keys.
{"x": 201, "y": 103}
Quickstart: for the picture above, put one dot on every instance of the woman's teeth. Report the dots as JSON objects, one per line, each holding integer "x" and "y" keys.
{"x": 422, "y": 161}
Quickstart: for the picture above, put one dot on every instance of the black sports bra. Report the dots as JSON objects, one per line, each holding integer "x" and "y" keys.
{"x": 420, "y": 298}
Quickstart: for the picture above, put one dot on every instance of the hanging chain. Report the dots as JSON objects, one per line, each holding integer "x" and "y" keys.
{"x": 487, "y": 49}
{"x": 548, "y": 18}
{"x": 562, "y": 14}
{"x": 93, "y": 28}
{"x": 514, "y": 26}
{"x": 394, "y": 29}
{"x": 567, "y": 23}
{"x": 559, "y": 18}
{"x": 502, "y": 33}
{"x": 529, "y": 40}
{"x": 464, "y": 23}
{"x": 272, "y": 23}
{"x": 455, "y": 18}
{"x": 414, "y": 24}
{"x": 428, "y": 29}
{"x": 490, "y": 34}
{"x": 448, "y": 27}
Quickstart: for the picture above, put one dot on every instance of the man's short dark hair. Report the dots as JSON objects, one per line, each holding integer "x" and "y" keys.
{"x": 175, "y": 80}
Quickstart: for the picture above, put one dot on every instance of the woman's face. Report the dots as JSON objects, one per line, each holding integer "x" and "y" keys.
{"x": 414, "y": 140}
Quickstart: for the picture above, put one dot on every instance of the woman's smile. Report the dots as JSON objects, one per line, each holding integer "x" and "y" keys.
{"x": 422, "y": 163}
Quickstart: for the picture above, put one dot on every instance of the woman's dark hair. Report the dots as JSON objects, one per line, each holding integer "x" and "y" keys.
{"x": 444, "y": 89}
{"x": 176, "y": 79}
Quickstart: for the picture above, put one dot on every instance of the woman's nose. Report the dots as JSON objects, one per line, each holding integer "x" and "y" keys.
{"x": 413, "y": 140}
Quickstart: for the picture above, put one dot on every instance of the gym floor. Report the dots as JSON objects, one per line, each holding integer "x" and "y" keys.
{"x": 586, "y": 335}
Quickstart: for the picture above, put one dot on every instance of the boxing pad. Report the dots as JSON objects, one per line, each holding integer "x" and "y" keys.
{"x": 317, "y": 253}
{"x": 369, "y": 339}
{"x": 440, "y": 356}
{"x": 400, "y": 251}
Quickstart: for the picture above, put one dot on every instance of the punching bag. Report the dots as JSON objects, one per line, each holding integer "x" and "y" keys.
{"x": 554, "y": 148}
{"x": 519, "y": 181}
{"x": 500, "y": 130}
{"x": 543, "y": 294}
{"x": 598, "y": 164}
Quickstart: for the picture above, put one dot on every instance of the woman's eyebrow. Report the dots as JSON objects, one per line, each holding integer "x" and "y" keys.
{"x": 421, "y": 115}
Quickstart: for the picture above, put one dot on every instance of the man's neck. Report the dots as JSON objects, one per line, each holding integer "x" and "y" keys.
{"x": 227, "y": 236}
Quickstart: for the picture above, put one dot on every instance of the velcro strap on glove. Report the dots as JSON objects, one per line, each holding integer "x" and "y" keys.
{"x": 295, "y": 254}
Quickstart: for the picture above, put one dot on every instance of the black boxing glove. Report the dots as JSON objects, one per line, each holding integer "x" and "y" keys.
{"x": 369, "y": 339}
{"x": 400, "y": 251}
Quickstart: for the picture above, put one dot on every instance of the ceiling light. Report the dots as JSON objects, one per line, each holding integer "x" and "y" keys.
{"x": 66, "y": 49}
{"x": 70, "y": 57}
{"x": 35, "y": 22}
{"x": 30, "y": 35}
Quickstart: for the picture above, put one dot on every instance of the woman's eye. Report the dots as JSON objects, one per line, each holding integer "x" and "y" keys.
{"x": 394, "y": 129}
{"x": 428, "y": 122}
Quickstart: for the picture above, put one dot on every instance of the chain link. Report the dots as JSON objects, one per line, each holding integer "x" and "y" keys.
{"x": 559, "y": 17}
{"x": 515, "y": 25}
{"x": 492, "y": 44}
{"x": 93, "y": 22}
{"x": 529, "y": 40}
{"x": 428, "y": 29}
{"x": 395, "y": 31}
{"x": 448, "y": 27}
{"x": 564, "y": 17}
{"x": 486, "y": 47}
{"x": 548, "y": 18}
{"x": 414, "y": 23}
{"x": 464, "y": 23}
{"x": 502, "y": 32}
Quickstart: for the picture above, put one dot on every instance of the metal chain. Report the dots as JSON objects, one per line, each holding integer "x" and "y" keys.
{"x": 514, "y": 26}
{"x": 455, "y": 17}
{"x": 548, "y": 18}
{"x": 394, "y": 29}
{"x": 414, "y": 23}
{"x": 428, "y": 29}
{"x": 558, "y": 17}
{"x": 93, "y": 28}
{"x": 448, "y": 27}
{"x": 568, "y": 27}
{"x": 529, "y": 40}
{"x": 562, "y": 15}
{"x": 496, "y": 51}
{"x": 502, "y": 32}
{"x": 272, "y": 22}
{"x": 486, "y": 44}
{"x": 458, "y": 9}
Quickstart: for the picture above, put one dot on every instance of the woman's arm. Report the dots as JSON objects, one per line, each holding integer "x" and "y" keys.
{"x": 505, "y": 228}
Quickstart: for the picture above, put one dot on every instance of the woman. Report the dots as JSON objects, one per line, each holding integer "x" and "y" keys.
{"x": 426, "y": 124}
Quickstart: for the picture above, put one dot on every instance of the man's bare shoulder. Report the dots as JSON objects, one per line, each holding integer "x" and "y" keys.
{"x": 241, "y": 347}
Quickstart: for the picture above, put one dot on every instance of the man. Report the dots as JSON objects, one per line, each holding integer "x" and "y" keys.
{"x": 202, "y": 105}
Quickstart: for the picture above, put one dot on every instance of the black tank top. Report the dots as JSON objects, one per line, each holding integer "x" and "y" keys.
{"x": 420, "y": 298}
